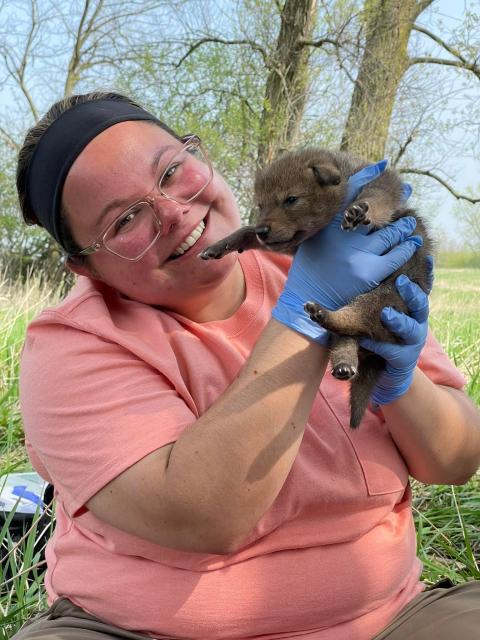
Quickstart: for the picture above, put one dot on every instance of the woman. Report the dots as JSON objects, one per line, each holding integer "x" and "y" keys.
{"x": 207, "y": 483}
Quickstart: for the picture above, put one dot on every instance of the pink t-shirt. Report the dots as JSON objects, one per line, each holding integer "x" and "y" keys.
{"x": 106, "y": 381}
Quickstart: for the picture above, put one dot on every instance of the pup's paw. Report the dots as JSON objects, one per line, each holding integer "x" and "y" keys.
{"x": 315, "y": 311}
{"x": 344, "y": 371}
{"x": 354, "y": 215}
{"x": 216, "y": 251}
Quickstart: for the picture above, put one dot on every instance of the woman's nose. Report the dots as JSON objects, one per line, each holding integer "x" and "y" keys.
{"x": 169, "y": 213}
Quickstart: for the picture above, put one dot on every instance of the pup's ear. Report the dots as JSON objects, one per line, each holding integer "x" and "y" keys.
{"x": 281, "y": 152}
{"x": 326, "y": 175}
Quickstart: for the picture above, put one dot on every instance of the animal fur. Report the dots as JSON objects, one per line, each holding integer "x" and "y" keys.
{"x": 299, "y": 194}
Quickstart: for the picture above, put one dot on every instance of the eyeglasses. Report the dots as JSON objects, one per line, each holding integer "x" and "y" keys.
{"x": 186, "y": 174}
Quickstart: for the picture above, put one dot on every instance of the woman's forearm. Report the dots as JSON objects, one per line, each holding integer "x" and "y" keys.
{"x": 227, "y": 469}
{"x": 437, "y": 430}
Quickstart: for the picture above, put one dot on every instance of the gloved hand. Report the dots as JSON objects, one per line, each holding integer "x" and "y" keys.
{"x": 401, "y": 359}
{"x": 333, "y": 267}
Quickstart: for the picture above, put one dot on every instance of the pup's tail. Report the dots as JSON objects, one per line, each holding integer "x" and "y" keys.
{"x": 369, "y": 370}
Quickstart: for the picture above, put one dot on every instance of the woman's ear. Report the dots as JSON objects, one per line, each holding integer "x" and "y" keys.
{"x": 78, "y": 265}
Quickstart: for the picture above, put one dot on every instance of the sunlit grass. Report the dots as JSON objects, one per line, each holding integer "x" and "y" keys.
{"x": 458, "y": 260}
{"x": 455, "y": 320}
{"x": 19, "y": 303}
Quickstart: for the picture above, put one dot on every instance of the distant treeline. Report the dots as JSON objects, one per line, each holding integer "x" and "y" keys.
{"x": 458, "y": 260}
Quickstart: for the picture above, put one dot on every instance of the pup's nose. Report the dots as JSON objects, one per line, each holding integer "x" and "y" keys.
{"x": 262, "y": 231}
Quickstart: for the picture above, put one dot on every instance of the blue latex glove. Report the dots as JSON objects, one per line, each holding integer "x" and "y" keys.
{"x": 401, "y": 359}
{"x": 333, "y": 267}
{"x": 356, "y": 182}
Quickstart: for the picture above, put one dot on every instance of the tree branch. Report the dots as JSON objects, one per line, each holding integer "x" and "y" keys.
{"x": 20, "y": 69}
{"x": 76, "y": 52}
{"x": 319, "y": 43}
{"x": 9, "y": 140}
{"x": 336, "y": 42}
{"x": 402, "y": 149}
{"x": 98, "y": 23}
{"x": 255, "y": 46}
{"x": 409, "y": 140}
{"x": 430, "y": 174}
{"x": 474, "y": 68}
{"x": 460, "y": 61}
{"x": 422, "y": 5}
{"x": 454, "y": 52}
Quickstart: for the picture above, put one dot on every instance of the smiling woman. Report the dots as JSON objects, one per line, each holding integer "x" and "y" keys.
{"x": 175, "y": 405}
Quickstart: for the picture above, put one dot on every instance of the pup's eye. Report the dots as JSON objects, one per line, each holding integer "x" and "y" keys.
{"x": 290, "y": 200}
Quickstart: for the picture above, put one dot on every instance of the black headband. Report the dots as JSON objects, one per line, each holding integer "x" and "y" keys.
{"x": 59, "y": 147}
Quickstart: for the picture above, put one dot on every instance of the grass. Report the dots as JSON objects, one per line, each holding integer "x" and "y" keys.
{"x": 447, "y": 518}
{"x": 455, "y": 321}
{"x": 458, "y": 260}
{"x": 21, "y": 571}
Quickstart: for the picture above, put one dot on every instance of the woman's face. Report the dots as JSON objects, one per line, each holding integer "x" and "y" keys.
{"x": 114, "y": 170}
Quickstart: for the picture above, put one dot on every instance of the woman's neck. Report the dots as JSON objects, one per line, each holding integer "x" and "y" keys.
{"x": 219, "y": 304}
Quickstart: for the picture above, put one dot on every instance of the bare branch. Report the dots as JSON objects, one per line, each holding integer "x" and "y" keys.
{"x": 17, "y": 71}
{"x": 422, "y": 5}
{"x": 409, "y": 140}
{"x": 460, "y": 61}
{"x": 13, "y": 144}
{"x": 93, "y": 28}
{"x": 72, "y": 70}
{"x": 319, "y": 43}
{"x": 430, "y": 174}
{"x": 454, "y": 52}
{"x": 336, "y": 42}
{"x": 96, "y": 12}
{"x": 474, "y": 68}
{"x": 403, "y": 148}
{"x": 254, "y": 45}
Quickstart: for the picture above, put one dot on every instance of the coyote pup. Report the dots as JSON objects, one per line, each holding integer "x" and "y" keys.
{"x": 297, "y": 195}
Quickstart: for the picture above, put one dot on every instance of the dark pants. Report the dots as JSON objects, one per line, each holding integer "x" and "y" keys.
{"x": 437, "y": 614}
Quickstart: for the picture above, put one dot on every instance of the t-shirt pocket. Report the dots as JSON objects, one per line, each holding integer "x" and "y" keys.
{"x": 382, "y": 465}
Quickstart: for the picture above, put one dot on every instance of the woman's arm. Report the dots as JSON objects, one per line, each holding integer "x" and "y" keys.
{"x": 437, "y": 431}
{"x": 208, "y": 490}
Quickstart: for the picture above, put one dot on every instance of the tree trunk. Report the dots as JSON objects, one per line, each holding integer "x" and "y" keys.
{"x": 388, "y": 24}
{"x": 288, "y": 81}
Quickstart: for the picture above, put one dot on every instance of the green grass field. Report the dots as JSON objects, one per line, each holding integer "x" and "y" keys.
{"x": 455, "y": 320}
{"x": 447, "y": 518}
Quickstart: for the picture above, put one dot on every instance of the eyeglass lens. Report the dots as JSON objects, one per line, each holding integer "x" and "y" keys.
{"x": 186, "y": 175}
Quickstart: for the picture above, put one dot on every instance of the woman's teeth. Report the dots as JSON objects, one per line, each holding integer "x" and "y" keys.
{"x": 190, "y": 240}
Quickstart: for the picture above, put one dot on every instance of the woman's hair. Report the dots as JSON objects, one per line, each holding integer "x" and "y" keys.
{"x": 27, "y": 150}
